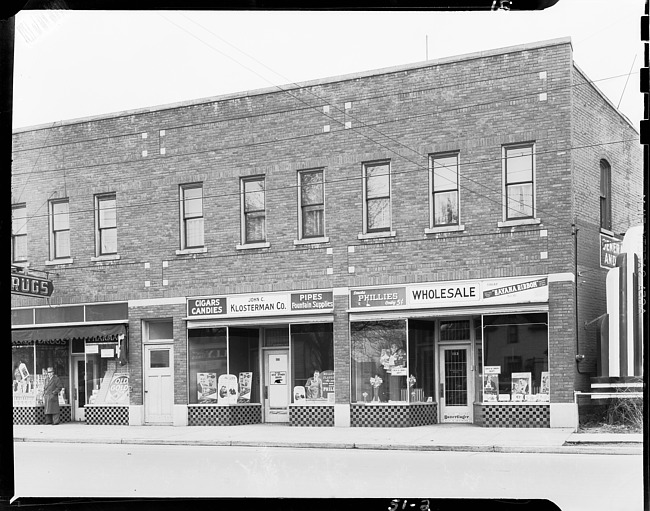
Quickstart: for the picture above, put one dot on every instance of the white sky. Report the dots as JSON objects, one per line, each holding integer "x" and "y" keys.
{"x": 72, "y": 64}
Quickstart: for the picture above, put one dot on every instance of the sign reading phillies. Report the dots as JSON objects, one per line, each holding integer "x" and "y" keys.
{"x": 263, "y": 304}
{"x": 453, "y": 293}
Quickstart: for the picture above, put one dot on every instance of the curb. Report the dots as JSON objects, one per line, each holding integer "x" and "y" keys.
{"x": 619, "y": 448}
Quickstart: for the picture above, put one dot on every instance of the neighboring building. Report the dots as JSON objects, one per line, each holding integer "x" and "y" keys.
{"x": 432, "y": 221}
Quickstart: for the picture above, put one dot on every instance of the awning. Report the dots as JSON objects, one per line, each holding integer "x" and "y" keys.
{"x": 93, "y": 333}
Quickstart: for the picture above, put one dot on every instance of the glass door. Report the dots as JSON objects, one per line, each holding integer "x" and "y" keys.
{"x": 276, "y": 385}
{"x": 79, "y": 388}
{"x": 454, "y": 388}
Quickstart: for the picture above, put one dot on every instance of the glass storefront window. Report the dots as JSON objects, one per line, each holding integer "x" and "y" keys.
{"x": 515, "y": 357}
{"x": 379, "y": 363}
{"x": 421, "y": 360}
{"x": 30, "y": 363}
{"x": 243, "y": 356}
{"x": 206, "y": 362}
{"x": 312, "y": 351}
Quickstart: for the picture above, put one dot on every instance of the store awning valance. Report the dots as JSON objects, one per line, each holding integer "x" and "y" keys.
{"x": 94, "y": 333}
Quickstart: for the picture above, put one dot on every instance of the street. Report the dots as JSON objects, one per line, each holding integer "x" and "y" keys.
{"x": 571, "y": 481}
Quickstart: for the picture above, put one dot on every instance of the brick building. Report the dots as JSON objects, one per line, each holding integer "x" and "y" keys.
{"x": 426, "y": 238}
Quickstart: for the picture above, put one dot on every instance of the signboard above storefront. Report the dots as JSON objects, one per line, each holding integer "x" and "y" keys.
{"x": 261, "y": 304}
{"x": 532, "y": 289}
{"x": 28, "y": 285}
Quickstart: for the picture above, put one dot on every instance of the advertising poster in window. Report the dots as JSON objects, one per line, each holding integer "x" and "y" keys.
{"x": 328, "y": 383}
{"x": 228, "y": 389}
{"x": 299, "y": 395}
{"x": 490, "y": 387}
{"x": 206, "y": 385}
{"x": 245, "y": 385}
{"x": 118, "y": 389}
{"x": 521, "y": 385}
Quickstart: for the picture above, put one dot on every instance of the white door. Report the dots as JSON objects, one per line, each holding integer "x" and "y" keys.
{"x": 276, "y": 385}
{"x": 158, "y": 384}
{"x": 455, "y": 386}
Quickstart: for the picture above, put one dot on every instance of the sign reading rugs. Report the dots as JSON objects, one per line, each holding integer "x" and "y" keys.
{"x": 261, "y": 304}
{"x": 454, "y": 293}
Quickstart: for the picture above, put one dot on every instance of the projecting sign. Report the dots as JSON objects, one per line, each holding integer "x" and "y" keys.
{"x": 28, "y": 285}
{"x": 609, "y": 249}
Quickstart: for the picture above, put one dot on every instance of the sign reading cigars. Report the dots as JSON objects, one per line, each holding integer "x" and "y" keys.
{"x": 530, "y": 289}
{"x": 261, "y": 304}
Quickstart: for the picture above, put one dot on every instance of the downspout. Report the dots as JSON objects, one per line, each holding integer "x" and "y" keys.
{"x": 579, "y": 356}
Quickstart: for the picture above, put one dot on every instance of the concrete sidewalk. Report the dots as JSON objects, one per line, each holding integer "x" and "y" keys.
{"x": 425, "y": 438}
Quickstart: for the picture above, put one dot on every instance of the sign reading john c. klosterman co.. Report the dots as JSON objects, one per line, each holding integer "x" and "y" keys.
{"x": 261, "y": 304}
{"x": 453, "y": 293}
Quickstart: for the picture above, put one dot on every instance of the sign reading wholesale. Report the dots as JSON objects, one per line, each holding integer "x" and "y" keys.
{"x": 261, "y": 304}
{"x": 454, "y": 293}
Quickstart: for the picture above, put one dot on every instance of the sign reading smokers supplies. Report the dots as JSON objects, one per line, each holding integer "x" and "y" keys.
{"x": 453, "y": 293}
{"x": 261, "y": 304}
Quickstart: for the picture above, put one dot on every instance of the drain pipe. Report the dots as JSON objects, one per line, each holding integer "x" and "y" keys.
{"x": 579, "y": 356}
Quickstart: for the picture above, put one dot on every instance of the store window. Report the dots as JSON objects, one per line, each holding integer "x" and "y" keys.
{"x": 207, "y": 360}
{"x": 312, "y": 351}
{"x": 519, "y": 172}
{"x": 515, "y": 371}
{"x": 312, "y": 204}
{"x": 30, "y": 362}
{"x": 59, "y": 229}
{"x": 376, "y": 192}
{"x": 379, "y": 362}
{"x": 18, "y": 233}
{"x": 444, "y": 190}
{"x": 421, "y": 380}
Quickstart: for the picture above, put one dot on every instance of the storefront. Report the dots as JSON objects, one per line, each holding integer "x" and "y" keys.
{"x": 265, "y": 357}
{"x": 463, "y": 351}
{"x": 87, "y": 347}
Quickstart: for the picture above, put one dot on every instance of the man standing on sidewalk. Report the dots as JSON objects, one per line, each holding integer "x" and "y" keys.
{"x": 51, "y": 397}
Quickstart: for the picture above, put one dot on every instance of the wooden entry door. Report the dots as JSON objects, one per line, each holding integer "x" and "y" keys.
{"x": 455, "y": 385}
{"x": 276, "y": 385}
{"x": 158, "y": 384}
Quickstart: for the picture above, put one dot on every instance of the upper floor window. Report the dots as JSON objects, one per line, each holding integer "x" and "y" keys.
{"x": 376, "y": 192}
{"x": 519, "y": 173}
{"x": 605, "y": 195}
{"x": 311, "y": 200}
{"x": 106, "y": 224}
{"x": 19, "y": 233}
{"x": 443, "y": 179}
{"x": 59, "y": 229}
{"x": 192, "y": 216}
{"x": 253, "y": 210}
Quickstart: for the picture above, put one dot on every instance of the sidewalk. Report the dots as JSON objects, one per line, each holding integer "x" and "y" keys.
{"x": 448, "y": 437}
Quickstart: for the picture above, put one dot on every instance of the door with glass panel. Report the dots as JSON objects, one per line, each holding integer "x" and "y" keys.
{"x": 276, "y": 385}
{"x": 158, "y": 384}
{"x": 454, "y": 387}
{"x": 79, "y": 387}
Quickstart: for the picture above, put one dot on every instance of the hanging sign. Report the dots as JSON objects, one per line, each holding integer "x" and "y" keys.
{"x": 609, "y": 249}
{"x": 28, "y": 285}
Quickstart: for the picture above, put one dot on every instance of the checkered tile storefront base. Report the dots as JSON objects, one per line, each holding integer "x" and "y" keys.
{"x": 517, "y": 416}
{"x": 219, "y": 415}
{"x": 107, "y": 415}
{"x": 393, "y": 416}
{"x": 305, "y": 415}
{"x": 25, "y": 415}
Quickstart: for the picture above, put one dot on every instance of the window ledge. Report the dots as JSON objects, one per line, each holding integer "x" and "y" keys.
{"x": 249, "y": 246}
{"x": 444, "y": 228}
{"x": 67, "y": 260}
{"x": 20, "y": 264}
{"x": 608, "y": 232}
{"x": 311, "y": 241}
{"x": 107, "y": 257}
{"x": 522, "y": 221}
{"x": 373, "y": 235}
{"x": 198, "y": 250}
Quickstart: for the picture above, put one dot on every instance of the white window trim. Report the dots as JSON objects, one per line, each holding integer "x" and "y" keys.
{"x": 52, "y": 258}
{"x": 300, "y": 233}
{"x": 68, "y": 260}
{"x": 504, "y": 196}
{"x": 443, "y": 228}
{"x": 98, "y": 198}
{"x": 378, "y": 234}
{"x": 181, "y": 205}
{"x": 312, "y": 241}
{"x": 253, "y": 244}
{"x": 107, "y": 257}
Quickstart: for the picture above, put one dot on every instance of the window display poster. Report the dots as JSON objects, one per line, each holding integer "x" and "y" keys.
{"x": 206, "y": 384}
{"x": 545, "y": 387}
{"x": 299, "y": 395}
{"x": 245, "y": 385}
{"x": 492, "y": 370}
{"x": 228, "y": 389}
{"x": 327, "y": 378}
{"x": 490, "y": 387}
{"x": 118, "y": 389}
{"x": 521, "y": 384}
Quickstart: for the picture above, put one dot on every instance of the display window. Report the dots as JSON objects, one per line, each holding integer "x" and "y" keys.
{"x": 312, "y": 357}
{"x": 515, "y": 358}
{"x": 223, "y": 365}
{"x": 30, "y": 362}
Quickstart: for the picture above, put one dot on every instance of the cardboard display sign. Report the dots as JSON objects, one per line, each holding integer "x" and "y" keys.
{"x": 228, "y": 389}
{"x": 299, "y": 394}
{"x": 245, "y": 386}
{"x": 206, "y": 386}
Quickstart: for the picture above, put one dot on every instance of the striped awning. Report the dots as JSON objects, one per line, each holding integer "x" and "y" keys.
{"x": 91, "y": 333}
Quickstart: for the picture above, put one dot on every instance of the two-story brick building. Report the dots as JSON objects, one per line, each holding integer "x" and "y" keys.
{"x": 398, "y": 247}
